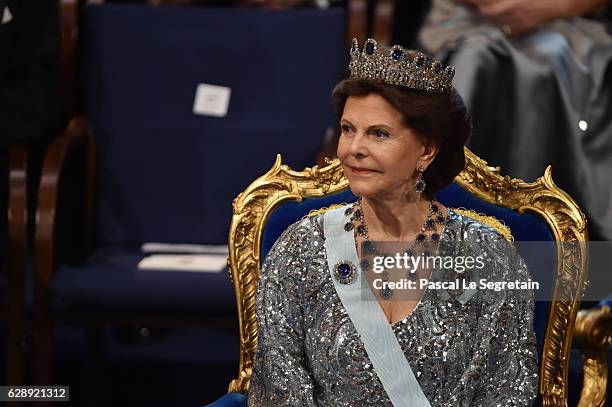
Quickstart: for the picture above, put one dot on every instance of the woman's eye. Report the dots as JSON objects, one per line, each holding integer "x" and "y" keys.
{"x": 345, "y": 128}
{"x": 381, "y": 134}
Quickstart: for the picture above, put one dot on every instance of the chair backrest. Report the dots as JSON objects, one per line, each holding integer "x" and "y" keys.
{"x": 160, "y": 175}
{"x": 538, "y": 214}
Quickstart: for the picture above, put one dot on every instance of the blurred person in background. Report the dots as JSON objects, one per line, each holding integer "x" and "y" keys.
{"x": 537, "y": 78}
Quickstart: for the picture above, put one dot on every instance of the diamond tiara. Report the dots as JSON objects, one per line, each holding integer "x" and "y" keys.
{"x": 397, "y": 66}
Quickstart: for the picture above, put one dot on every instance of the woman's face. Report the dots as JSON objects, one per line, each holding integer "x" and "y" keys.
{"x": 378, "y": 153}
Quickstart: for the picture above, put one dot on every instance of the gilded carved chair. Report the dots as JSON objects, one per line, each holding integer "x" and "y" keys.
{"x": 593, "y": 337}
{"x": 524, "y": 212}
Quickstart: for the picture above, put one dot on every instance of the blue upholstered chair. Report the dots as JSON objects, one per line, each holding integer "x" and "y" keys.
{"x": 536, "y": 215}
{"x": 164, "y": 173}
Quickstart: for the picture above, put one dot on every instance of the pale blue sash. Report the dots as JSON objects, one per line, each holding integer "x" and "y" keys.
{"x": 369, "y": 320}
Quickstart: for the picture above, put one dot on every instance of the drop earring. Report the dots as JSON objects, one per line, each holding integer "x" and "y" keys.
{"x": 419, "y": 183}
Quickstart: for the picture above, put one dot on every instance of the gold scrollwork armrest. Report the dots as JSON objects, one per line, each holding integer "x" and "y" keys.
{"x": 593, "y": 335}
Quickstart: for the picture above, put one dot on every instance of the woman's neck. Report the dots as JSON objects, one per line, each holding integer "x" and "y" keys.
{"x": 396, "y": 219}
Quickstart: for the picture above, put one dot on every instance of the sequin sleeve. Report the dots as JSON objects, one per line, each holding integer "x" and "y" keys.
{"x": 507, "y": 345}
{"x": 280, "y": 375}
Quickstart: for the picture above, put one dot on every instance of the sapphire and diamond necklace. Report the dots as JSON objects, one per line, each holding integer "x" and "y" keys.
{"x": 428, "y": 233}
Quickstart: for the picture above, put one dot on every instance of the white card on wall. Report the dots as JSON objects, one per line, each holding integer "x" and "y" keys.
{"x": 211, "y": 100}
{"x": 6, "y": 15}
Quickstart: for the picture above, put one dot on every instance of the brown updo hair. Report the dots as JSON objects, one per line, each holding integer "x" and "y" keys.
{"x": 438, "y": 119}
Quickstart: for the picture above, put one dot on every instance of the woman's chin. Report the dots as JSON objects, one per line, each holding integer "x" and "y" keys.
{"x": 362, "y": 191}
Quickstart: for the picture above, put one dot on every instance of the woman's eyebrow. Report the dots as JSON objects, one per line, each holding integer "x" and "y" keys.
{"x": 377, "y": 125}
{"x": 384, "y": 125}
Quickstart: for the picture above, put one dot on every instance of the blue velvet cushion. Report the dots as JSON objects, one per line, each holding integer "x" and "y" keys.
{"x": 167, "y": 174}
{"x": 532, "y": 236}
{"x": 111, "y": 282}
{"x": 230, "y": 400}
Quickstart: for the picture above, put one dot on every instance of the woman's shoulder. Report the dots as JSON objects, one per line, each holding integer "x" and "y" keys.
{"x": 311, "y": 225}
{"x": 481, "y": 234}
{"x": 304, "y": 232}
{"x": 467, "y": 224}
{"x": 490, "y": 238}
{"x": 293, "y": 252}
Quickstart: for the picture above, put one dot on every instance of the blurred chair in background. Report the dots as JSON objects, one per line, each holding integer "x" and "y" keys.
{"x": 29, "y": 114}
{"x": 159, "y": 156}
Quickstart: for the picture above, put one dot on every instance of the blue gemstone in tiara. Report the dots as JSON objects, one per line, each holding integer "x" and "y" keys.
{"x": 397, "y": 54}
{"x": 369, "y": 48}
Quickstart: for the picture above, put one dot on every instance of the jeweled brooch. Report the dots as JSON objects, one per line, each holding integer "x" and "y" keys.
{"x": 344, "y": 271}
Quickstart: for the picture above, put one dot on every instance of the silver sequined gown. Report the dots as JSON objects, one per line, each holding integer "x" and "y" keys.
{"x": 482, "y": 353}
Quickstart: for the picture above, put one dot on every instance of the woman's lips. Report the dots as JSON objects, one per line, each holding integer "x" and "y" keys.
{"x": 361, "y": 171}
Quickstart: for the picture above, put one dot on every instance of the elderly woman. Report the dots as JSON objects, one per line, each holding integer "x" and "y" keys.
{"x": 326, "y": 337}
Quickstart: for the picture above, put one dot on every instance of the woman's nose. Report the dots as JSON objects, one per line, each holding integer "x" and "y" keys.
{"x": 358, "y": 146}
